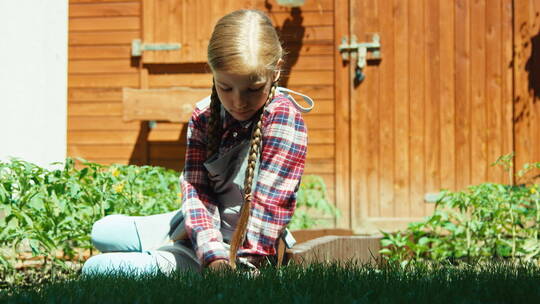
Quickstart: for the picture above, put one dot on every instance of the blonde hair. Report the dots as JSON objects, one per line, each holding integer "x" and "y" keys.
{"x": 243, "y": 42}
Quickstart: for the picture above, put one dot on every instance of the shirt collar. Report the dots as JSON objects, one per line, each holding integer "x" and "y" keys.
{"x": 229, "y": 121}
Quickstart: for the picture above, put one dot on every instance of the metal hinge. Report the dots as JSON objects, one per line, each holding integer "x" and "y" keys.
{"x": 137, "y": 47}
{"x": 359, "y": 52}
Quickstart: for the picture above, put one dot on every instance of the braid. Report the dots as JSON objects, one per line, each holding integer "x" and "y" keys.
{"x": 256, "y": 143}
{"x": 214, "y": 124}
{"x": 256, "y": 139}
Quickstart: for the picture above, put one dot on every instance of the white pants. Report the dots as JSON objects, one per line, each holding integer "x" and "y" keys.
{"x": 139, "y": 244}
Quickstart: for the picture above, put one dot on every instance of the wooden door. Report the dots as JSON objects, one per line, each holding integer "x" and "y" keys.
{"x": 435, "y": 112}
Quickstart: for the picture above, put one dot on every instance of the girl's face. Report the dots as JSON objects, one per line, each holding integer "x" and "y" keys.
{"x": 242, "y": 95}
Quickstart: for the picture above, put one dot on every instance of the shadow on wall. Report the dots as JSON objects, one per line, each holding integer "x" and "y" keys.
{"x": 522, "y": 107}
{"x": 164, "y": 153}
{"x": 533, "y": 67}
{"x": 292, "y": 34}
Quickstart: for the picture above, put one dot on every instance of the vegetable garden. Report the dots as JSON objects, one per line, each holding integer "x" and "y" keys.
{"x": 481, "y": 242}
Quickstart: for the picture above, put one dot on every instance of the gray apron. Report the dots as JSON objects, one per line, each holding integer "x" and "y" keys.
{"x": 227, "y": 174}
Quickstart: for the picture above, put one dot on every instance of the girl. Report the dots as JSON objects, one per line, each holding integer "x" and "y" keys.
{"x": 246, "y": 148}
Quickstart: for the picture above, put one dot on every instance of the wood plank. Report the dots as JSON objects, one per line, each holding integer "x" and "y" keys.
{"x": 359, "y": 129}
{"x": 103, "y": 80}
{"x": 322, "y": 106}
{"x": 332, "y": 249}
{"x": 319, "y": 166}
{"x": 320, "y": 34}
{"x": 272, "y": 6}
{"x": 507, "y": 82}
{"x": 148, "y": 7}
{"x": 386, "y": 111}
{"x": 417, "y": 104}
{"x": 102, "y": 123}
{"x": 95, "y": 109}
{"x": 314, "y": 63}
{"x": 493, "y": 90}
{"x": 447, "y": 95}
{"x": 325, "y": 18}
{"x": 105, "y": 95}
{"x": 104, "y": 137}
{"x": 104, "y": 24}
{"x": 305, "y": 235}
{"x": 116, "y": 151}
{"x": 163, "y": 151}
{"x": 105, "y": 9}
{"x": 168, "y": 135}
{"x": 462, "y": 94}
{"x": 372, "y": 82}
{"x": 199, "y": 80}
{"x": 161, "y": 19}
{"x": 99, "y": 52}
{"x": 315, "y": 122}
{"x": 401, "y": 113}
{"x": 297, "y": 78}
{"x": 320, "y": 151}
{"x": 309, "y": 50}
{"x": 342, "y": 116}
{"x": 175, "y": 105}
{"x": 432, "y": 128}
{"x": 102, "y": 66}
{"x": 108, "y": 38}
{"x": 315, "y": 91}
{"x": 478, "y": 105}
{"x": 323, "y": 136}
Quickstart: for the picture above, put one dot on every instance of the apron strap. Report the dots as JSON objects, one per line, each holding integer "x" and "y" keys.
{"x": 306, "y": 98}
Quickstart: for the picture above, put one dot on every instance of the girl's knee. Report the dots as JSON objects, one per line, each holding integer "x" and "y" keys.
{"x": 115, "y": 232}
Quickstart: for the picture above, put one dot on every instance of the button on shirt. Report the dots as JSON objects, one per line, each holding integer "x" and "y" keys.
{"x": 274, "y": 196}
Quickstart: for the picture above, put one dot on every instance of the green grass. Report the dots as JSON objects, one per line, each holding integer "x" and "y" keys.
{"x": 480, "y": 283}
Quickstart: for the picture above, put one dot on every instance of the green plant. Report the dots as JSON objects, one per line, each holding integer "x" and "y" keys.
{"x": 485, "y": 221}
{"x": 311, "y": 195}
{"x": 51, "y": 212}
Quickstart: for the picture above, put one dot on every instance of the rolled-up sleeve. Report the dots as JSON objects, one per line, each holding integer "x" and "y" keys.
{"x": 281, "y": 167}
{"x": 202, "y": 220}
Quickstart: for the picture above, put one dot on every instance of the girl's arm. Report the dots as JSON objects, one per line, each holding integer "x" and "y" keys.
{"x": 202, "y": 219}
{"x": 281, "y": 168}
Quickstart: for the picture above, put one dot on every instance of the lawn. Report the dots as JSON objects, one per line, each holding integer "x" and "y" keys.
{"x": 494, "y": 282}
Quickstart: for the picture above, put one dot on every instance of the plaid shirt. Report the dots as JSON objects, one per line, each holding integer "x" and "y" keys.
{"x": 274, "y": 196}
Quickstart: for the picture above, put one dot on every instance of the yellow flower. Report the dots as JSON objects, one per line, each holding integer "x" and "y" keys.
{"x": 180, "y": 194}
{"x": 118, "y": 187}
{"x": 533, "y": 190}
{"x": 115, "y": 172}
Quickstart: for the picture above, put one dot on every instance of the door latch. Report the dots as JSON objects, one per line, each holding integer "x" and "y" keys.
{"x": 137, "y": 47}
{"x": 359, "y": 51}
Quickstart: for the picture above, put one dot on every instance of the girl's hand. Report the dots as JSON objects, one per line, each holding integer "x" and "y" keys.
{"x": 219, "y": 265}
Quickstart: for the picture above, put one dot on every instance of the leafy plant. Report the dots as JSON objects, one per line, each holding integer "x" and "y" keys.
{"x": 312, "y": 195}
{"x": 485, "y": 221}
{"x": 51, "y": 212}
